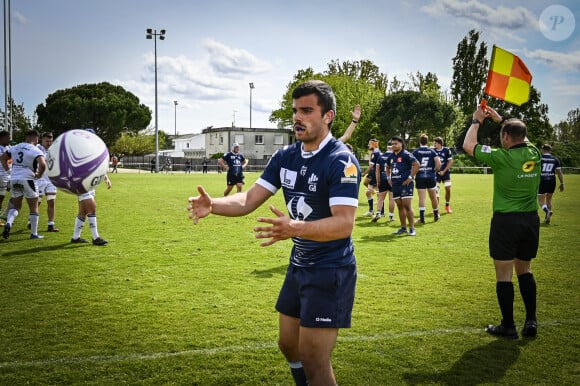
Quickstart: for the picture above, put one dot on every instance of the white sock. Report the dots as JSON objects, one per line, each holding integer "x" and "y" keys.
{"x": 93, "y": 225}
{"x": 33, "y": 218}
{"x": 79, "y": 224}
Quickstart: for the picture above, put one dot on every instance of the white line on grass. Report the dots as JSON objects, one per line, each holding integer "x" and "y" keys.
{"x": 235, "y": 349}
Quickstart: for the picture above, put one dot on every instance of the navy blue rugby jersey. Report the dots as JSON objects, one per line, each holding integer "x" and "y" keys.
{"x": 444, "y": 156}
{"x": 426, "y": 157}
{"x": 549, "y": 166}
{"x": 312, "y": 183}
{"x": 382, "y": 163}
{"x": 235, "y": 162}
{"x": 401, "y": 165}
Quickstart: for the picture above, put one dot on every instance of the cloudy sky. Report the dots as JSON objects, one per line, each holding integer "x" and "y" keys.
{"x": 215, "y": 48}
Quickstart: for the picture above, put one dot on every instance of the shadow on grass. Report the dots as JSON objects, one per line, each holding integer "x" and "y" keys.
{"x": 267, "y": 273}
{"x": 481, "y": 365}
{"x": 41, "y": 249}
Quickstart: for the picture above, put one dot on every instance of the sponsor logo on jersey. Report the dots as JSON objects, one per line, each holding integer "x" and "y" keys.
{"x": 312, "y": 180}
{"x": 288, "y": 178}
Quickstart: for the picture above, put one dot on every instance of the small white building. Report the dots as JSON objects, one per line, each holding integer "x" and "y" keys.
{"x": 188, "y": 146}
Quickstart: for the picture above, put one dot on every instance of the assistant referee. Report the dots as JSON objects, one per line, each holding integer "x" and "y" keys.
{"x": 515, "y": 225}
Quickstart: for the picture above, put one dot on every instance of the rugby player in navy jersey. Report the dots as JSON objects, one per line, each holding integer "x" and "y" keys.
{"x": 384, "y": 187}
{"x": 444, "y": 174}
{"x": 234, "y": 162}
{"x": 425, "y": 180}
{"x": 550, "y": 167}
{"x": 370, "y": 180}
{"x": 402, "y": 168}
{"x": 320, "y": 180}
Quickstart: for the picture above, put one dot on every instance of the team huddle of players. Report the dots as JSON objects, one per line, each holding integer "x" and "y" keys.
{"x": 397, "y": 172}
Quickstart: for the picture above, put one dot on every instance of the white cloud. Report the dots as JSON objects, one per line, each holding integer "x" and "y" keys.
{"x": 20, "y": 18}
{"x": 233, "y": 61}
{"x": 557, "y": 60}
{"x": 501, "y": 18}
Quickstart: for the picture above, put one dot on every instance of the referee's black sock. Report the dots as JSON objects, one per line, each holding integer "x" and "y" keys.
{"x": 505, "y": 297}
{"x": 371, "y": 204}
{"x": 528, "y": 292}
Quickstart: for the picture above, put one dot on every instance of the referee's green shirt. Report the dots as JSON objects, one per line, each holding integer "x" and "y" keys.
{"x": 516, "y": 176}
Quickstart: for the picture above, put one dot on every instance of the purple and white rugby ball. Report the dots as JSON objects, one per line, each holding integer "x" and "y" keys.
{"x": 77, "y": 161}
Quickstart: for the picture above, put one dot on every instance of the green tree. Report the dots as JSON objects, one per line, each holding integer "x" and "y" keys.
{"x": 353, "y": 83}
{"x": 470, "y": 66}
{"x": 569, "y": 130}
{"x": 533, "y": 113}
{"x": 21, "y": 123}
{"x": 409, "y": 113}
{"x": 134, "y": 144}
{"x": 106, "y": 108}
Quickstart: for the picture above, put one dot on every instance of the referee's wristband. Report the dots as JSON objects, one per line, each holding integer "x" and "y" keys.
{"x": 354, "y": 121}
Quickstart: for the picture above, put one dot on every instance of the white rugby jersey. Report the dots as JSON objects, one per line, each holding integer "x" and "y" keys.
{"x": 4, "y": 173}
{"x": 24, "y": 160}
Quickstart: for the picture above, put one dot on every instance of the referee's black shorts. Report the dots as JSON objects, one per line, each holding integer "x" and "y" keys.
{"x": 514, "y": 235}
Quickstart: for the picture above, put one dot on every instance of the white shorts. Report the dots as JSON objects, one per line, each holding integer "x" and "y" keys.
{"x": 26, "y": 188}
{"x": 87, "y": 195}
{"x": 46, "y": 188}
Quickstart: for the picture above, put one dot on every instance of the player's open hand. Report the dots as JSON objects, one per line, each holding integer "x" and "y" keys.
{"x": 200, "y": 206}
{"x": 280, "y": 228}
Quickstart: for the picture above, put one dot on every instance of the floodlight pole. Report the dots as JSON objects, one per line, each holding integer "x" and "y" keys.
{"x": 251, "y": 88}
{"x": 153, "y": 34}
{"x": 175, "y": 103}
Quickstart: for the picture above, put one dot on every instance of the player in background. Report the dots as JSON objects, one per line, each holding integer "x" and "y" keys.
{"x": 45, "y": 186}
{"x": 4, "y": 175}
{"x": 550, "y": 168}
{"x": 28, "y": 165}
{"x": 444, "y": 174}
{"x": 384, "y": 187}
{"x": 370, "y": 180}
{"x": 320, "y": 179}
{"x": 426, "y": 180}
{"x": 234, "y": 163}
{"x": 402, "y": 167}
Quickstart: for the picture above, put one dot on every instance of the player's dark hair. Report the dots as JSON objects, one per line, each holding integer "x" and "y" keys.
{"x": 32, "y": 134}
{"x": 322, "y": 90}
{"x": 423, "y": 140}
{"x": 4, "y": 133}
{"x": 515, "y": 129}
{"x": 547, "y": 147}
{"x": 398, "y": 139}
{"x": 47, "y": 134}
{"x": 439, "y": 140}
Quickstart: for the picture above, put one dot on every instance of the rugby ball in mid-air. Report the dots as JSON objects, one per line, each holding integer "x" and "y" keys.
{"x": 77, "y": 161}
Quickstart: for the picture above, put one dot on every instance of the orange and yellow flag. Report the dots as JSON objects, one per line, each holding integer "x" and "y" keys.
{"x": 508, "y": 79}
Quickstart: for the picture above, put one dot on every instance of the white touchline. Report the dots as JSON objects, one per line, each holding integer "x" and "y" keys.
{"x": 235, "y": 349}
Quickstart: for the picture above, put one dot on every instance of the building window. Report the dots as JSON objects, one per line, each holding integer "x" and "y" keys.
{"x": 278, "y": 140}
{"x": 239, "y": 138}
{"x": 188, "y": 145}
{"x": 221, "y": 139}
{"x": 259, "y": 139}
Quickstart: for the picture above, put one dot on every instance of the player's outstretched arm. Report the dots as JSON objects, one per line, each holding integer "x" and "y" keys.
{"x": 235, "y": 205}
{"x": 350, "y": 129}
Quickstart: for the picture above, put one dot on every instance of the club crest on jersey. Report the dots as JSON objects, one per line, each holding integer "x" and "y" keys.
{"x": 350, "y": 172}
{"x": 303, "y": 170}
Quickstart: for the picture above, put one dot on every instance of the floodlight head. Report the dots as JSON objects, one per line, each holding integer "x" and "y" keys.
{"x": 162, "y": 32}
{"x": 149, "y": 30}
{"x": 148, "y": 36}
{"x": 161, "y": 37}
{"x": 252, "y": 85}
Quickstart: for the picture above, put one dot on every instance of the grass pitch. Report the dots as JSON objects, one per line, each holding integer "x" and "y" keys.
{"x": 167, "y": 302}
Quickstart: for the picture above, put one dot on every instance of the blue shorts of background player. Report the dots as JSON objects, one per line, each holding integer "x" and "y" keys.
{"x": 425, "y": 183}
{"x": 319, "y": 297}
{"x": 234, "y": 179}
{"x": 402, "y": 191}
{"x": 384, "y": 185}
